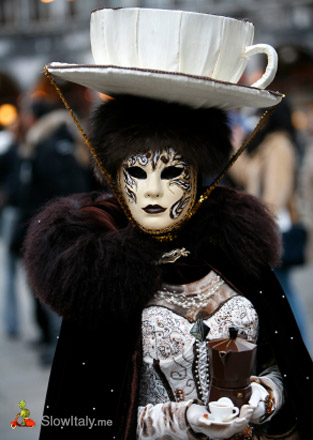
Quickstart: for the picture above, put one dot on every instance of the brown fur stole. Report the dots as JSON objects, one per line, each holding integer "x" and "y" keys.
{"x": 83, "y": 257}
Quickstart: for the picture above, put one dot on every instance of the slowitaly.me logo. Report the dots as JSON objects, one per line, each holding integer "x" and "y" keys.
{"x": 22, "y": 418}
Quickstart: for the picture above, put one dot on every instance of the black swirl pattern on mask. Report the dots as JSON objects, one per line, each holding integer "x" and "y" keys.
{"x": 130, "y": 185}
{"x": 178, "y": 207}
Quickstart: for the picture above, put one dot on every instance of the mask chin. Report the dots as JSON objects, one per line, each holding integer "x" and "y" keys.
{"x": 158, "y": 190}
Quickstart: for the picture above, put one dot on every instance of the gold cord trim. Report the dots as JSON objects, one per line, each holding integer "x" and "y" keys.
{"x": 156, "y": 234}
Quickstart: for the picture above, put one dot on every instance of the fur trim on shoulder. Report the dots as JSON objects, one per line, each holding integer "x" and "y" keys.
{"x": 84, "y": 260}
{"x": 240, "y": 226}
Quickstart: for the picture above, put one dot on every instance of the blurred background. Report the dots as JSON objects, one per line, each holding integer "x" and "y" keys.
{"x": 42, "y": 156}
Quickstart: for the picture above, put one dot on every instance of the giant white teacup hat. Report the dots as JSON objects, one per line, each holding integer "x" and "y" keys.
{"x": 192, "y": 58}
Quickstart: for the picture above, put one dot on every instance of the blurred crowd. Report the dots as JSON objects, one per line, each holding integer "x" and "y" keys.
{"x": 43, "y": 155}
{"x": 277, "y": 166}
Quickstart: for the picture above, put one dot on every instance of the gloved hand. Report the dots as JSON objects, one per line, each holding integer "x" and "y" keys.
{"x": 197, "y": 416}
{"x": 257, "y": 402}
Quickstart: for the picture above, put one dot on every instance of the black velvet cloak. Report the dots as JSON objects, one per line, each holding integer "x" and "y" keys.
{"x": 97, "y": 271}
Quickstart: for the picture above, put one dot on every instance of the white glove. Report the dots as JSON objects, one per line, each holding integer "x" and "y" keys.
{"x": 257, "y": 402}
{"x": 216, "y": 430}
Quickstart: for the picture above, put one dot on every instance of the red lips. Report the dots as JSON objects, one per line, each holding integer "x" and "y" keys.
{"x": 154, "y": 209}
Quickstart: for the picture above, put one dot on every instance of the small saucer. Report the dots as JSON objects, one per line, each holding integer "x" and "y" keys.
{"x": 218, "y": 422}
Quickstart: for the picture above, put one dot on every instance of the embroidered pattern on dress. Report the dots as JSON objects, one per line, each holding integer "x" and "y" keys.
{"x": 237, "y": 312}
{"x": 164, "y": 333}
{"x": 152, "y": 389}
{"x": 166, "y": 338}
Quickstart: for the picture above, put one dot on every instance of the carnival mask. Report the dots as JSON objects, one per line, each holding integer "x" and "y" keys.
{"x": 159, "y": 189}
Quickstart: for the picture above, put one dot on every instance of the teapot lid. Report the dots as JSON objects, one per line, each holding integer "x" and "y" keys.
{"x": 233, "y": 343}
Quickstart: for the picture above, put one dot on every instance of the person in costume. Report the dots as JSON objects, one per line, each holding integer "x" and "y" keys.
{"x": 131, "y": 273}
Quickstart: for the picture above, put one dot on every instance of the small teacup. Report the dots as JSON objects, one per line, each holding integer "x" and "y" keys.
{"x": 223, "y": 410}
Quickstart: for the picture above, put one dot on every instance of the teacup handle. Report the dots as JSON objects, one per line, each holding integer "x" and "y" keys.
{"x": 235, "y": 411}
{"x": 271, "y": 67}
{"x": 234, "y": 414}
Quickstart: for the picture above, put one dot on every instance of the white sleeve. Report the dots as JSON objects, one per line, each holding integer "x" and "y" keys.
{"x": 165, "y": 420}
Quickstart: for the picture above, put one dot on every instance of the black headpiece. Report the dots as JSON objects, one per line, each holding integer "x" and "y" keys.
{"x": 127, "y": 125}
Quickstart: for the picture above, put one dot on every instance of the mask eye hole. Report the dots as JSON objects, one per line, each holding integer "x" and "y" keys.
{"x": 137, "y": 172}
{"x": 171, "y": 172}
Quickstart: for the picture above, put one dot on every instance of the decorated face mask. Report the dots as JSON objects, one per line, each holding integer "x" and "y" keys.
{"x": 159, "y": 189}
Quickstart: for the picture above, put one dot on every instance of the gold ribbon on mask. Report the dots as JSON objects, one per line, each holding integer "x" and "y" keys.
{"x": 161, "y": 236}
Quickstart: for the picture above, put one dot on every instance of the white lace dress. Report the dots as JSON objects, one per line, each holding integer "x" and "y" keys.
{"x": 175, "y": 369}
